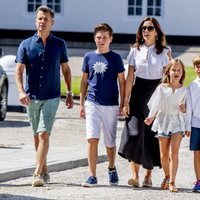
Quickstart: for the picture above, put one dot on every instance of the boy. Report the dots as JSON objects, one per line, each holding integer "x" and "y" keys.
{"x": 193, "y": 120}
{"x": 102, "y": 70}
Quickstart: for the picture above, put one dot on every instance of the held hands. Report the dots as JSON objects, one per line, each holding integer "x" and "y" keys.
{"x": 182, "y": 107}
{"x": 188, "y": 133}
{"x": 120, "y": 113}
{"x": 126, "y": 110}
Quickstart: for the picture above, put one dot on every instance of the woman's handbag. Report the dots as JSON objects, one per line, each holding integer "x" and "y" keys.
{"x": 132, "y": 126}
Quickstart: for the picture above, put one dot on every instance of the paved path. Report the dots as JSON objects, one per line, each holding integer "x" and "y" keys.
{"x": 67, "y": 144}
{"x": 66, "y": 160}
{"x": 68, "y": 151}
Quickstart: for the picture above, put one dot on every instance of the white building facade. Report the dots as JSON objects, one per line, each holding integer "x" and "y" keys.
{"x": 177, "y": 17}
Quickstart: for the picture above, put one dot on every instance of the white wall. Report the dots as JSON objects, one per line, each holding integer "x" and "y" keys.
{"x": 180, "y": 17}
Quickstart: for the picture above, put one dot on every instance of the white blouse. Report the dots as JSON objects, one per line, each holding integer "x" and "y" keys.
{"x": 147, "y": 63}
{"x": 192, "y": 117}
{"x": 164, "y": 103}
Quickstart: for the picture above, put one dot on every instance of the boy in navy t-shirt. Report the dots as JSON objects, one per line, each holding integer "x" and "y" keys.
{"x": 103, "y": 73}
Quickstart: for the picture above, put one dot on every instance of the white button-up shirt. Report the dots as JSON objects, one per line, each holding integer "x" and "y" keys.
{"x": 192, "y": 116}
{"x": 148, "y": 64}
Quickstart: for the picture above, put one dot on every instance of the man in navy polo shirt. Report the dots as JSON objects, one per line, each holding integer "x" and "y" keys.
{"x": 42, "y": 55}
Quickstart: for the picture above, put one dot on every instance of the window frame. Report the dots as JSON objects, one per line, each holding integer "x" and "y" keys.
{"x": 51, "y": 4}
{"x": 144, "y": 8}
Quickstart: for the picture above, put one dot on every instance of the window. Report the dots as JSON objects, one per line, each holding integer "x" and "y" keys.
{"x": 154, "y": 8}
{"x": 144, "y": 7}
{"x": 134, "y": 7}
{"x": 33, "y": 5}
{"x": 53, "y": 4}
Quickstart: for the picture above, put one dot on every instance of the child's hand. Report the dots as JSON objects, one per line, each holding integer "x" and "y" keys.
{"x": 188, "y": 133}
{"x": 148, "y": 120}
{"x": 182, "y": 107}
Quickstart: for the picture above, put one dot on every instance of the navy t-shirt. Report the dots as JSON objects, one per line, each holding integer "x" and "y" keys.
{"x": 42, "y": 65}
{"x": 102, "y": 72}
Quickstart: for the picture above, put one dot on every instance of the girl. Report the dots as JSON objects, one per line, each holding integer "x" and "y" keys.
{"x": 167, "y": 106}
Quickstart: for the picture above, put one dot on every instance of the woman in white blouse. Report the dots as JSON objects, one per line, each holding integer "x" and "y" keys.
{"x": 147, "y": 60}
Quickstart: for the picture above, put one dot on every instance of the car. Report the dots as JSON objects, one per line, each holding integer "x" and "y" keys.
{"x": 3, "y": 93}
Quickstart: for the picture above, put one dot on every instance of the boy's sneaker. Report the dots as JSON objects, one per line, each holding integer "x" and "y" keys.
{"x": 37, "y": 181}
{"x": 113, "y": 176}
{"x": 46, "y": 177}
{"x": 196, "y": 188}
{"x": 90, "y": 182}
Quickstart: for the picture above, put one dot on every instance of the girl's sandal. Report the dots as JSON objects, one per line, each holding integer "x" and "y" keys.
{"x": 172, "y": 187}
{"x": 165, "y": 183}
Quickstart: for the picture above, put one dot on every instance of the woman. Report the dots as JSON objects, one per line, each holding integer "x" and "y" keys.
{"x": 147, "y": 60}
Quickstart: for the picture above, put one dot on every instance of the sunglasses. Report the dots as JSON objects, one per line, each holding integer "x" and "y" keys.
{"x": 149, "y": 28}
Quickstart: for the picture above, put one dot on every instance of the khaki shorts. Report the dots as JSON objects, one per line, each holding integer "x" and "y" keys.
{"x": 105, "y": 117}
{"x": 42, "y": 113}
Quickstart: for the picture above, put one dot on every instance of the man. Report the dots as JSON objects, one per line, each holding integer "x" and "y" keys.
{"x": 42, "y": 55}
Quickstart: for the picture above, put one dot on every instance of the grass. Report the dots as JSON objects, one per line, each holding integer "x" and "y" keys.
{"x": 75, "y": 86}
{"x": 190, "y": 75}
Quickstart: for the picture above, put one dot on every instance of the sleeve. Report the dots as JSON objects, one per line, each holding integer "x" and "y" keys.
{"x": 120, "y": 65}
{"x": 85, "y": 67}
{"x": 21, "y": 56}
{"x": 131, "y": 56}
{"x": 154, "y": 102}
{"x": 188, "y": 114}
{"x": 64, "y": 57}
{"x": 165, "y": 56}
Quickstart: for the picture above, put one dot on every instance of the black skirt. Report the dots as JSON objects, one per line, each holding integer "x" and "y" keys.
{"x": 143, "y": 147}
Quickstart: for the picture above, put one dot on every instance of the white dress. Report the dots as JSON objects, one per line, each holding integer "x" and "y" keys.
{"x": 164, "y": 103}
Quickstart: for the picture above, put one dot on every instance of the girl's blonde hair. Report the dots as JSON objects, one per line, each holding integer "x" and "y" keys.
{"x": 166, "y": 77}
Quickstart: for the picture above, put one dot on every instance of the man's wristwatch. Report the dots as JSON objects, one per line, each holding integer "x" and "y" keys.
{"x": 69, "y": 93}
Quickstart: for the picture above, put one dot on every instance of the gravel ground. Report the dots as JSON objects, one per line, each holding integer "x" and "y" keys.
{"x": 67, "y": 184}
{"x": 15, "y": 130}
{"x": 69, "y": 130}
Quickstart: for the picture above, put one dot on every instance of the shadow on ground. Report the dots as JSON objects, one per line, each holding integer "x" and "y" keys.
{"x": 13, "y": 124}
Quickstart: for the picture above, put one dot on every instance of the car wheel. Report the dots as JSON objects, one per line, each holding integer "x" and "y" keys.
{"x": 3, "y": 102}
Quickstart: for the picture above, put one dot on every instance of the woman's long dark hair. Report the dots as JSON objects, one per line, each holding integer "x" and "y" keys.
{"x": 160, "y": 40}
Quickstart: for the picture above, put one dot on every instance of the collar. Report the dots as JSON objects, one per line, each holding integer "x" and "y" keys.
{"x": 198, "y": 79}
{"x": 148, "y": 47}
{"x": 38, "y": 39}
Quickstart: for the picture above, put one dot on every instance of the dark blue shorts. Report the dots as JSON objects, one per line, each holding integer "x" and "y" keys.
{"x": 195, "y": 139}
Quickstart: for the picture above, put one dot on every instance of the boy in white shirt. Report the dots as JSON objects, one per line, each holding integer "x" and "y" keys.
{"x": 193, "y": 120}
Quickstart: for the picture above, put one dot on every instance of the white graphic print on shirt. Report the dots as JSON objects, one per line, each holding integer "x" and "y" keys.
{"x": 100, "y": 67}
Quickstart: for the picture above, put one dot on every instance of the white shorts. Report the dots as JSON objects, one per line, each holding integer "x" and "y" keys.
{"x": 105, "y": 116}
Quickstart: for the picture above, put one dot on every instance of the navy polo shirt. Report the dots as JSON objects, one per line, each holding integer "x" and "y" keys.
{"x": 42, "y": 65}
